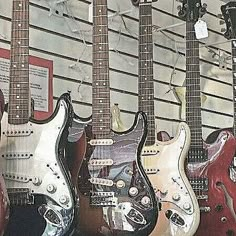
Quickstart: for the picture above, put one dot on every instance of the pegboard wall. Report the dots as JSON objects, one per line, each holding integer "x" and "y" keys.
{"x": 61, "y": 31}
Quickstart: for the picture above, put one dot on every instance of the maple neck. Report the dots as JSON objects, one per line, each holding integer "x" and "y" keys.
{"x": 233, "y": 45}
{"x": 18, "y": 107}
{"x": 193, "y": 91}
{"x": 145, "y": 82}
{"x": 101, "y": 119}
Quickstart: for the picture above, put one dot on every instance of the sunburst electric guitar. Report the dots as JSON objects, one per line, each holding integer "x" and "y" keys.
{"x": 207, "y": 164}
{"x": 32, "y": 151}
{"x": 164, "y": 161}
{"x": 114, "y": 191}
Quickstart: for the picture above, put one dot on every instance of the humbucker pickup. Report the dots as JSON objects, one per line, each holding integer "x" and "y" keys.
{"x": 101, "y": 142}
{"x": 197, "y": 155}
{"x": 100, "y": 181}
{"x": 17, "y": 132}
{"x": 102, "y": 199}
{"x": 199, "y": 184}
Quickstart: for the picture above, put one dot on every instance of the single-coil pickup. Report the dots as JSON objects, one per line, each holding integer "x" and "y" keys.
{"x": 149, "y": 151}
{"x": 18, "y": 155}
{"x": 101, "y": 162}
{"x": 151, "y": 170}
{"x": 103, "y": 199}
{"x": 16, "y": 177}
{"x": 17, "y": 133}
{"x": 101, "y": 142}
{"x": 100, "y": 181}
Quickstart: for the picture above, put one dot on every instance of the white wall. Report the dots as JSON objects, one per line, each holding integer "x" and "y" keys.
{"x": 66, "y": 36}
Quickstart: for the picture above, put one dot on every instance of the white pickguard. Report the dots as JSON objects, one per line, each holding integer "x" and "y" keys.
{"x": 165, "y": 169}
{"x": 30, "y": 160}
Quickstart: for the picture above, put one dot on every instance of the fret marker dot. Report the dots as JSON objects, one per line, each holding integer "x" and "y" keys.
{"x": 100, "y": 47}
{"x": 100, "y": 101}
{"x": 100, "y": 120}
{"x": 14, "y": 66}
{"x": 145, "y": 78}
{"x": 104, "y": 83}
{"x": 100, "y": 30}
{"x": 17, "y": 96}
{"x": 100, "y": 111}
{"x": 100, "y": 63}
{"x": 19, "y": 42}
{"x": 22, "y": 65}
{"x": 96, "y": 83}
{"x": 17, "y": 107}
{"x": 18, "y": 85}
{"x": 100, "y": 128}
{"x": 17, "y": 116}
{"x": 19, "y": 25}
{"x": 100, "y": 10}
{"x": 145, "y": 48}
{"x": 20, "y": 5}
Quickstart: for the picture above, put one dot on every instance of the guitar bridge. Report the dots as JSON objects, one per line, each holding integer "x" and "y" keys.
{"x": 20, "y": 196}
{"x": 103, "y": 199}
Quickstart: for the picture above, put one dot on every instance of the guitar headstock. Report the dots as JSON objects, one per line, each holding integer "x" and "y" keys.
{"x": 191, "y": 10}
{"x": 137, "y": 2}
{"x": 229, "y": 13}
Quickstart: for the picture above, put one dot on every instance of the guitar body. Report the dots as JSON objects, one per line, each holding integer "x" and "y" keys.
{"x": 164, "y": 163}
{"x": 114, "y": 193}
{"x": 218, "y": 216}
{"x": 35, "y": 175}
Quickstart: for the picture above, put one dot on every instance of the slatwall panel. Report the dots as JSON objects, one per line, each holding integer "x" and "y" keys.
{"x": 62, "y": 33}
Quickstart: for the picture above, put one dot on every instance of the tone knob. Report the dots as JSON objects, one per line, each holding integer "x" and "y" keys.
{"x": 51, "y": 188}
{"x": 176, "y": 197}
{"x": 145, "y": 201}
{"x": 64, "y": 199}
{"x": 120, "y": 184}
{"x": 36, "y": 181}
{"x": 187, "y": 206}
{"x": 133, "y": 191}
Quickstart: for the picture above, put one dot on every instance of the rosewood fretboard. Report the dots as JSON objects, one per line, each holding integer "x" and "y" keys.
{"x": 18, "y": 110}
{"x": 146, "y": 84}
{"x": 101, "y": 120}
{"x": 193, "y": 91}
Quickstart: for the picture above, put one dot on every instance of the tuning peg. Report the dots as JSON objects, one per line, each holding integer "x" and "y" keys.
{"x": 222, "y": 22}
{"x": 204, "y": 5}
{"x": 222, "y": 30}
{"x": 219, "y": 16}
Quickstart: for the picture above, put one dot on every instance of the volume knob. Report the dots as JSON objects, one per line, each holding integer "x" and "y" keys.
{"x": 133, "y": 191}
{"x": 145, "y": 201}
{"x": 51, "y": 188}
{"x": 187, "y": 206}
{"x": 64, "y": 199}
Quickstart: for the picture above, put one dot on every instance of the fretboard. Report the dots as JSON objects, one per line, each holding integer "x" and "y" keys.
{"x": 146, "y": 85}
{"x": 233, "y": 44}
{"x": 18, "y": 108}
{"x": 193, "y": 91}
{"x": 101, "y": 119}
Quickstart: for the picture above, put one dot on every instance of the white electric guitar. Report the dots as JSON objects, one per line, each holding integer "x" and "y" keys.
{"x": 164, "y": 161}
{"x": 32, "y": 151}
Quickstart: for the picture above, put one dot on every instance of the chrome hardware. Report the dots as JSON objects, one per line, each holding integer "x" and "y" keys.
{"x": 133, "y": 191}
{"x": 17, "y": 133}
{"x": 16, "y": 155}
{"x": 223, "y": 219}
{"x": 36, "y": 181}
{"x": 205, "y": 209}
{"x": 16, "y": 177}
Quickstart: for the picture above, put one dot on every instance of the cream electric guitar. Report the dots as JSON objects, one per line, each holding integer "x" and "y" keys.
{"x": 164, "y": 161}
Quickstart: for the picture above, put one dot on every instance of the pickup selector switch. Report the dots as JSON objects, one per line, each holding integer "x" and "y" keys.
{"x": 133, "y": 191}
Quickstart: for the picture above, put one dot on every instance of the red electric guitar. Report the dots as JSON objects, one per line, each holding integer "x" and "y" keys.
{"x": 115, "y": 195}
{"x": 208, "y": 163}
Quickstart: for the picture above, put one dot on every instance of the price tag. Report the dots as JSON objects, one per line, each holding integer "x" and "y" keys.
{"x": 201, "y": 29}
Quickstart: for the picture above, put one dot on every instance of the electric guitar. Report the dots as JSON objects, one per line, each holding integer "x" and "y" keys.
{"x": 114, "y": 191}
{"x": 207, "y": 163}
{"x": 164, "y": 161}
{"x": 4, "y": 206}
{"x": 32, "y": 151}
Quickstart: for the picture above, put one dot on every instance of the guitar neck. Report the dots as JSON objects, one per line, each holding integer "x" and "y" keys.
{"x": 145, "y": 82}
{"x": 193, "y": 90}
{"x": 18, "y": 108}
{"x": 101, "y": 120}
{"x": 233, "y": 44}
